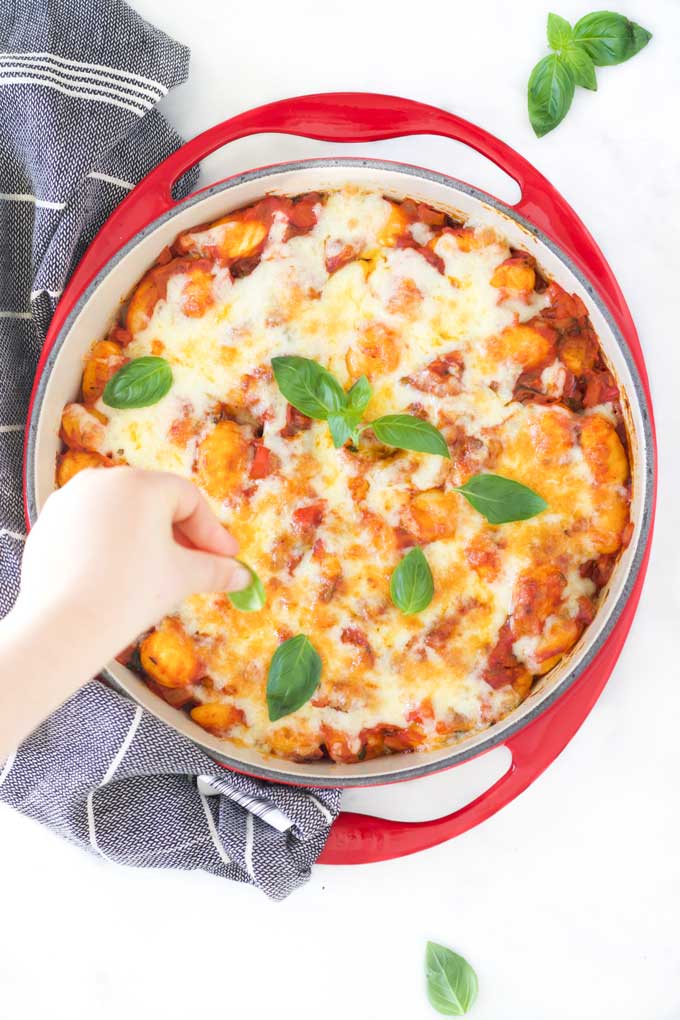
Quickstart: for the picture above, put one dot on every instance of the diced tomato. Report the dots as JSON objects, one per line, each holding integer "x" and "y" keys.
{"x": 441, "y": 377}
{"x": 306, "y": 518}
{"x": 407, "y": 241}
{"x": 120, "y": 335}
{"x": 302, "y": 215}
{"x": 263, "y": 463}
{"x": 296, "y": 422}
{"x": 586, "y": 611}
{"x": 600, "y": 570}
{"x": 502, "y": 667}
{"x": 563, "y": 308}
{"x": 422, "y": 712}
{"x": 600, "y": 389}
{"x": 356, "y": 637}
{"x": 340, "y": 257}
{"x": 164, "y": 257}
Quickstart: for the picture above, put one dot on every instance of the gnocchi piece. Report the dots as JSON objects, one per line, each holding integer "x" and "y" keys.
{"x": 218, "y": 717}
{"x": 231, "y": 238}
{"x": 432, "y": 515}
{"x": 376, "y": 352}
{"x": 603, "y": 451}
{"x": 169, "y": 655}
{"x": 483, "y": 555}
{"x": 295, "y": 742}
{"x": 524, "y": 344}
{"x": 222, "y": 462}
{"x": 550, "y": 435}
{"x": 103, "y": 361}
{"x": 395, "y": 226}
{"x": 196, "y": 295}
{"x": 578, "y": 352}
{"x": 73, "y": 461}
{"x": 608, "y": 523}
{"x": 515, "y": 274}
{"x": 81, "y": 429}
{"x": 560, "y": 635}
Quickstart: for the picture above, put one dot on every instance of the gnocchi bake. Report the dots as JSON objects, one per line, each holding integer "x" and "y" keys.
{"x": 415, "y": 437}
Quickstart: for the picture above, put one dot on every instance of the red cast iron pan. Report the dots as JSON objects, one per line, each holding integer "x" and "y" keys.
{"x": 364, "y": 117}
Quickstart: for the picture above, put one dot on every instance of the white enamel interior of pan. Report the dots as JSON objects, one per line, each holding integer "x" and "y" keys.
{"x": 90, "y": 320}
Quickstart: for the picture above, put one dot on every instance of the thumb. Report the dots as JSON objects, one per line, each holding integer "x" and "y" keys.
{"x": 202, "y": 572}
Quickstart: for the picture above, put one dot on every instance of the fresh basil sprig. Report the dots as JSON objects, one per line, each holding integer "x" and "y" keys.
{"x": 139, "y": 383}
{"x": 411, "y": 585}
{"x": 600, "y": 39}
{"x": 501, "y": 500}
{"x": 294, "y": 674}
{"x": 252, "y": 598}
{"x": 451, "y": 981}
{"x": 315, "y": 392}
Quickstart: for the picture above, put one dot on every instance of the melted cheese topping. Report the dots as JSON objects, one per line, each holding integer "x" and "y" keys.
{"x": 421, "y": 318}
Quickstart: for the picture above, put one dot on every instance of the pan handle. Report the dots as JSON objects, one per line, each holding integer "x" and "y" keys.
{"x": 363, "y": 839}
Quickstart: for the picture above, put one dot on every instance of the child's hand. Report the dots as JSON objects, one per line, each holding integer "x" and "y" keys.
{"x": 112, "y": 552}
{"x": 120, "y": 548}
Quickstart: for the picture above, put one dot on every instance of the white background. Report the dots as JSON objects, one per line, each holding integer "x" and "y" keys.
{"x": 566, "y": 902}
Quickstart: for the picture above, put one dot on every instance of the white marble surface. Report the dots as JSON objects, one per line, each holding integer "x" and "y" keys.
{"x": 566, "y": 902}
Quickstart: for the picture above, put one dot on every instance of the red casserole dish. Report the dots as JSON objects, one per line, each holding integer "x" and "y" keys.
{"x": 540, "y": 222}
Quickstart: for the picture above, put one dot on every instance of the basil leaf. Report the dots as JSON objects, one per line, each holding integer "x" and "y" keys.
{"x": 341, "y": 428}
{"x": 139, "y": 383}
{"x": 500, "y": 499}
{"x": 451, "y": 981}
{"x": 411, "y": 584}
{"x": 308, "y": 387}
{"x": 610, "y": 38}
{"x": 359, "y": 394}
{"x": 581, "y": 66}
{"x": 294, "y": 674}
{"x": 252, "y": 598}
{"x": 559, "y": 32}
{"x": 550, "y": 92}
{"x": 407, "y": 432}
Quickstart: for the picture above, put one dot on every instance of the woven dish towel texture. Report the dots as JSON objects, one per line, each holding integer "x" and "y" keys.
{"x": 79, "y": 85}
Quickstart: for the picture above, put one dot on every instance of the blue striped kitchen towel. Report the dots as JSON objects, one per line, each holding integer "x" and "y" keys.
{"x": 79, "y": 84}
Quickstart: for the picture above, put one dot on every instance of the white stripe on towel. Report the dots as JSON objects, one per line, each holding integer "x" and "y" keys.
{"x": 7, "y": 767}
{"x": 11, "y": 428}
{"x": 40, "y": 203}
{"x": 324, "y": 810}
{"x": 44, "y": 290}
{"x": 250, "y": 842}
{"x": 214, "y": 834}
{"x": 12, "y": 534}
{"x": 16, "y": 315}
{"x": 111, "y": 180}
{"x": 110, "y": 772}
{"x": 119, "y": 72}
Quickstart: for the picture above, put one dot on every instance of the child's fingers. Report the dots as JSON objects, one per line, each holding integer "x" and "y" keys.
{"x": 202, "y": 530}
{"x": 194, "y": 521}
{"x": 202, "y": 571}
